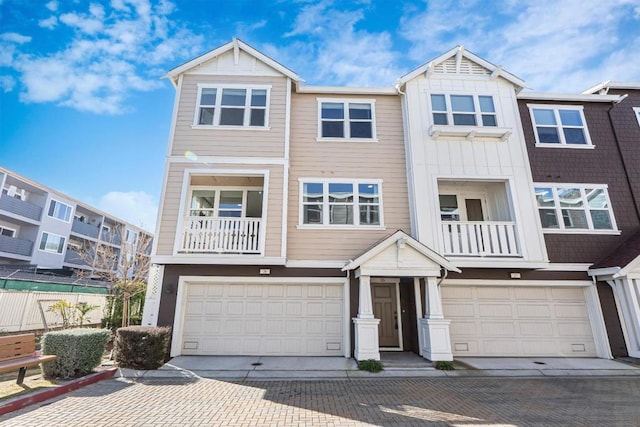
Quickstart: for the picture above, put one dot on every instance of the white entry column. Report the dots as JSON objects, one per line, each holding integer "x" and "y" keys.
{"x": 366, "y": 326}
{"x": 434, "y": 328}
{"x": 627, "y": 293}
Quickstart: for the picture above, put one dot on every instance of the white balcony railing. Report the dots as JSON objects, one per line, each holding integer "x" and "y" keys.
{"x": 221, "y": 235}
{"x": 480, "y": 238}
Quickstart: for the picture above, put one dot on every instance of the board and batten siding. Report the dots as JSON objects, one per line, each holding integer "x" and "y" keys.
{"x": 238, "y": 142}
{"x": 310, "y": 158}
{"x": 170, "y": 222}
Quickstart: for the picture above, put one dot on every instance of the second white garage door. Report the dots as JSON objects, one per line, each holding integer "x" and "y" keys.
{"x": 518, "y": 321}
{"x": 263, "y": 319}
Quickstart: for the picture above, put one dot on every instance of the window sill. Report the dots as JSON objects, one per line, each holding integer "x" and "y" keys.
{"x": 340, "y": 227}
{"x": 469, "y": 132}
{"x": 602, "y": 232}
{"x": 347, "y": 139}
{"x": 570, "y": 146}
{"x": 235, "y": 128}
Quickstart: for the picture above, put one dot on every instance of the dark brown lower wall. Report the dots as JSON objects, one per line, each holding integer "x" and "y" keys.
{"x": 612, "y": 320}
{"x": 172, "y": 275}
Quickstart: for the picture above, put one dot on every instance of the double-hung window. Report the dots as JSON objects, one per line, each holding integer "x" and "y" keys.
{"x": 574, "y": 208}
{"x": 52, "y": 243}
{"x": 559, "y": 126}
{"x": 341, "y": 203}
{"x": 352, "y": 119}
{"x": 463, "y": 110}
{"x": 232, "y": 106}
{"x": 60, "y": 211}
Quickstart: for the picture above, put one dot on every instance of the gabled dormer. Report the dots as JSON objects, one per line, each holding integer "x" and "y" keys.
{"x": 468, "y": 168}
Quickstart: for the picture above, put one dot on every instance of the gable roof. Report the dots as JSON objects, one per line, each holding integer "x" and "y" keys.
{"x": 400, "y": 237}
{"x": 236, "y": 45}
{"x": 460, "y": 52}
{"x": 624, "y": 258}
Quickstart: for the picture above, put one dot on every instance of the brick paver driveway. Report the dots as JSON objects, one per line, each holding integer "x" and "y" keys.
{"x": 415, "y": 401}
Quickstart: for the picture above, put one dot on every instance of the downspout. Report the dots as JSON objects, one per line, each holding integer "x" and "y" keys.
{"x": 636, "y": 204}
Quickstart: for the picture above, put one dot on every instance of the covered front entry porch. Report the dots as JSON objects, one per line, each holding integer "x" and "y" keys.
{"x": 398, "y": 284}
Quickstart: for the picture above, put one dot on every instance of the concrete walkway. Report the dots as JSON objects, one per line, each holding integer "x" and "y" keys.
{"x": 305, "y": 368}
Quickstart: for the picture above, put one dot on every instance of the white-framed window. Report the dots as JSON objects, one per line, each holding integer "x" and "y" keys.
{"x": 225, "y": 202}
{"x": 131, "y": 236}
{"x": 559, "y": 126}
{"x": 232, "y": 106}
{"x": 60, "y": 210}
{"x": 50, "y": 242}
{"x": 341, "y": 202}
{"x": 340, "y": 119}
{"x": 637, "y": 111}
{"x": 7, "y": 232}
{"x": 574, "y": 208}
{"x": 463, "y": 110}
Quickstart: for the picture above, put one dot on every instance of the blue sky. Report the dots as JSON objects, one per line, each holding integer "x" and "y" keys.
{"x": 83, "y": 108}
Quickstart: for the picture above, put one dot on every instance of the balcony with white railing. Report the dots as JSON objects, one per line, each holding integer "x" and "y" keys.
{"x": 480, "y": 239}
{"x": 215, "y": 235}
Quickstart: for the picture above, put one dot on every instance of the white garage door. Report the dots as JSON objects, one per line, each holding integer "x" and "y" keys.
{"x": 263, "y": 319}
{"x": 518, "y": 321}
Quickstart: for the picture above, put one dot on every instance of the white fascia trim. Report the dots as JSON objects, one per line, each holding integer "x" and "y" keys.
{"x": 346, "y": 90}
{"x": 285, "y": 172}
{"x": 608, "y": 84}
{"x": 259, "y": 279}
{"x": 518, "y": 283}
{"x": 215, "y": 259}
{"x": 174, "y": 116}
{"x": 567, "y": 97}
{"x": 230, "y": 160}
{"x": 609, "y": 271}
{"x": 566, "y": 267}
{"x": 305, "y": 263}
{"x": 489, "y": 263}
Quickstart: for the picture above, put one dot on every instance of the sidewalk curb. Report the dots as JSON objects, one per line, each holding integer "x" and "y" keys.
{"x": 22, "y": 401}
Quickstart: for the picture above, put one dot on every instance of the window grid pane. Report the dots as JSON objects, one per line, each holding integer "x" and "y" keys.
{"x": 235, "y": 107}
{"x": 344, "y": 203}
{"x": 579, "y": 208}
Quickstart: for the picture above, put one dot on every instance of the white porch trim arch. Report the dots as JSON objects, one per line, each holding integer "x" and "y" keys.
{"x": 400, "y": 255}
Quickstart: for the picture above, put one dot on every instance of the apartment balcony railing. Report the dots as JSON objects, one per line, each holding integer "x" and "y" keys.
{"x": 480, "y": 239}
{"x": 16, "y": 246}
{"x": 73, "y": 257}
{"x": 85, "y": 229}
{"x": 20, "y": 207}
{"x": 221, "y": 235}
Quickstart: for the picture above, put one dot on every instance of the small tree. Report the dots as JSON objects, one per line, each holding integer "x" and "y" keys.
{"x": 82, "y": 308}
{"x": 121, "y": 257}
{"x": 65, "y": 310}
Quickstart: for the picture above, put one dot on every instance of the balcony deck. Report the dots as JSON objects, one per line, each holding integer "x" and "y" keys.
{"x": 221, "y": 235}
{"x": 480, "y": 239}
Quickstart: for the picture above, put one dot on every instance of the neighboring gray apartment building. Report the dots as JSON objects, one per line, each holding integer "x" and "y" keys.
{"x": 47, "y": 229}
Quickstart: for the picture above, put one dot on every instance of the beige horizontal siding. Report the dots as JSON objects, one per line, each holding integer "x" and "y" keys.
{"x": 239, "y": 142}
{"x": 383, "y": 160}
{"x": 169, "y": 222}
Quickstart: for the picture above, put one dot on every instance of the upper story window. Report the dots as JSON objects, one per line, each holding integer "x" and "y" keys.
{"x": 232, "y": 106}
{"x": 559, "y": 126}
{"x": 574, "y": 208}
{"x": 225, "y": 202}
{"x": 341, "y": 203}
{"x": 463, "y": 110}
{"x": 7, "y": 232}
{"x": 52, "y": 243}
{"x": 346, "y": 119}
{"x": 60, "y": 210}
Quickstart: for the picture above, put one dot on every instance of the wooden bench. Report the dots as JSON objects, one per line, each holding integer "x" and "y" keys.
{"x": 17, "y": 352}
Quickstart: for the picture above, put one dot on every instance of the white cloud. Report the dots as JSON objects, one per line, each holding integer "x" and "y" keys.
{"x": 114, "y": 51}
{"x": 49, "y": 23}
{"x": 325, "y": 47}
{"x": 7, "y": 83}
{"x": 553, "y": 45}
{"x": 52, "y": 5}
{"x": 137, "y": 207}
{"x": 15, "y": 38}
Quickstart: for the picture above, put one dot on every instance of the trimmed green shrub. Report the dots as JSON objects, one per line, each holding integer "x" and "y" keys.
{"x": 444, "y": 365}
{"x": 370, "y": 365}
{"x": 141, "y": 347}
{"x": 79, "y": 351}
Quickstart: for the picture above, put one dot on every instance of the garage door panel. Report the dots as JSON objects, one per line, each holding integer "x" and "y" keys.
{"x": 264, "y": 319}
{"x": 518, "y": 321}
